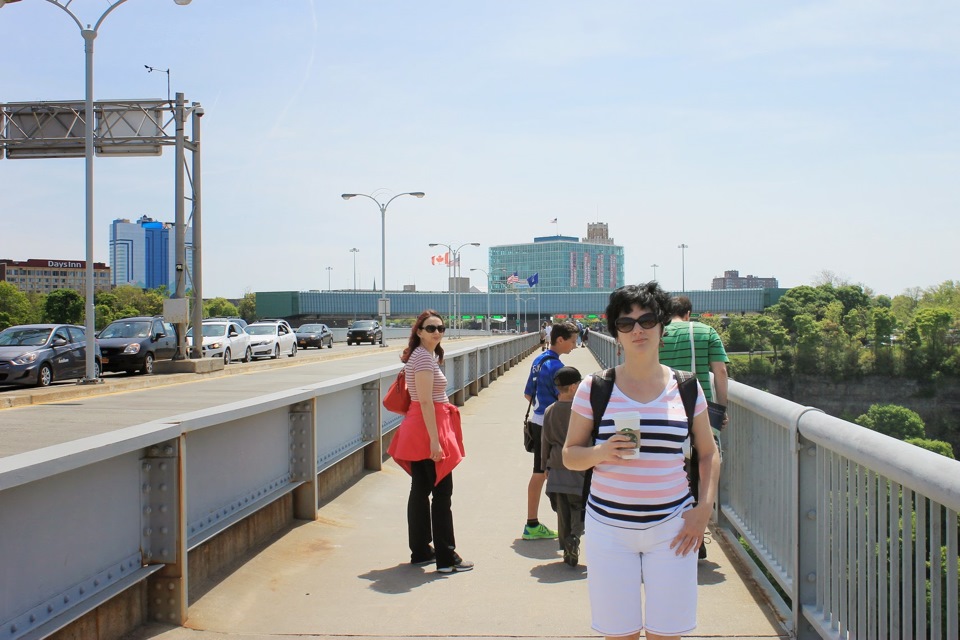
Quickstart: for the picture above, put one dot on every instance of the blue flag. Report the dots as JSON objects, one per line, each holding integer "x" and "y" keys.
{"x": 533, "y": 280}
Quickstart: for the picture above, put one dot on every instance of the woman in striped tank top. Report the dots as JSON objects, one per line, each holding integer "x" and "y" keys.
{"x": 428, "y": 445}
{"x": 643, "y": 528}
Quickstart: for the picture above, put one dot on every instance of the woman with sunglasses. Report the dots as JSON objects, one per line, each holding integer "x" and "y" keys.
{"x": 642, "y": 526}
{"x": 428, "y": 445}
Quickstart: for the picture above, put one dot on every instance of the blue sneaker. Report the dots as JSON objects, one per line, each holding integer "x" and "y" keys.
{"x": 539, "y": 532}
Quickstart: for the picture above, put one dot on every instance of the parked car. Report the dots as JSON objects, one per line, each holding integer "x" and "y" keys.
{"x": 133, "y": 344}
{"x": 314, "y": 335}
{"x": 38, "y": 354}
{"x": 227, "y": 340}
{"x": 268, "y": 339}
{"x": 364, "y": 331}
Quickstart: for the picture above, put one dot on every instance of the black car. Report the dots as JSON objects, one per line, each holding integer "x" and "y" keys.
{"x": 38, "y": 354}
{"x": 364, "y": 331}
{"x": 133, "y": 344}
{"x": 314, "y": 335}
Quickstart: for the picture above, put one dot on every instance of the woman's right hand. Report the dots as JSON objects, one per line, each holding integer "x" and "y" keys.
{"x": 615, "y": 447}
{"x": 436, "y": 453}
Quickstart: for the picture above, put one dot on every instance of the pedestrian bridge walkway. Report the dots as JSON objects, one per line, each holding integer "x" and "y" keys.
{"x": 261, "y": 505}
{"x": 346, "y": 574}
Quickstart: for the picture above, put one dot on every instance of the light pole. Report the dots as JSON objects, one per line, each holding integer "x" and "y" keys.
{"x": 382, "y": 303}
{"x": 525, "y": 301}
{"x": 455, "y": 257}
{"x": 89, "y": 35}
{"x": 489, "y": 326}
{"x": 329, "y": 271}
{"x": 355, "y": 251}
{"x": 683, "y": 266}
{"x": 654, "y": 265}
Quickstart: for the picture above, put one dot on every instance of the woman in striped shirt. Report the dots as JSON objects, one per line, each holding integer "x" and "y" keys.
{"x": 428, "y": 445}
{"x": 642, "y": 526}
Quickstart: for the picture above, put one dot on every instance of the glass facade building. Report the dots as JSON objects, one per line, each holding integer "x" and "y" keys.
{"x": 143, "y": 253}
{"x": 560, "y": 264}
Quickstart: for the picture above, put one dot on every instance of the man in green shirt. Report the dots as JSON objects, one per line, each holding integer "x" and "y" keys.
{"x": 677, "y": 350}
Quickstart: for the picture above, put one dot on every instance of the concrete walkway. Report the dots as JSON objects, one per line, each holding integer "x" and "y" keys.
{"x": 346, "y": 575}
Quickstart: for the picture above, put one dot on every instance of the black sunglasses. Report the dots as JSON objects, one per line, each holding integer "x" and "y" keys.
{"x": 625, "y": 324}
{"x": 433, "y": 328}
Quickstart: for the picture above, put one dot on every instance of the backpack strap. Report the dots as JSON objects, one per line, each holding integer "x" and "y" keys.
{"x": 600, "y": 391}
{"x": 687, "y": 385}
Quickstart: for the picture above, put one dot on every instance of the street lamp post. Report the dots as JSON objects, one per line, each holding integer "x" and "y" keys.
{"x": 654, "y": 265}
{"x": 329, "y": 271}
{"x": 489, "y": 325}
{"x": 89, "y": 35}
{"x": 455, "y": 257}
{"x": 525, "y": 301}
{"x": 355, "y": 251}
{"x": 683, "y": 266}
{"x": 382, "y": 303}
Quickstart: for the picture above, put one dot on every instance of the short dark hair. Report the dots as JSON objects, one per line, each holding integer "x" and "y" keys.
{"x": 681, "y": 305}
{"x": 646, "y": 296}
{"x": 565, "y": 329}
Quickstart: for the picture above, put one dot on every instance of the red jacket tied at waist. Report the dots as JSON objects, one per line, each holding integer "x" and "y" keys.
{"x": 412, "y": 443}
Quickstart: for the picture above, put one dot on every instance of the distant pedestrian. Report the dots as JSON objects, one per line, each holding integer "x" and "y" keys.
{"x": 586, "y": 336}
{"x": 428, "y": 445}
{"x": 543, "y": 336}
{"x": 564, "y": 487}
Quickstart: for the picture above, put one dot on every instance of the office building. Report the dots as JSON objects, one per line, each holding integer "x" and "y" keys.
{"x": 560, "y": 263}
{"x": 44, "y": 276}
{"x": 143, "y": 253}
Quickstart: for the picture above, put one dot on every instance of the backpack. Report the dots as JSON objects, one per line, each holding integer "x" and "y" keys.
{"x": 602, "y": 388}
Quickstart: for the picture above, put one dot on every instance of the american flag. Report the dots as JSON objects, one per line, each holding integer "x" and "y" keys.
{"x": 513, "y": 279}
{"x": 554, "y": 221}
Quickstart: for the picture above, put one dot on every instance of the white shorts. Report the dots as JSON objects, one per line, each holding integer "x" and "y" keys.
{"x": 620, "y": 560}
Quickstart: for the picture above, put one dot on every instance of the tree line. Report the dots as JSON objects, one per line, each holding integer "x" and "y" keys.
{"x": 845, "y": 332}
{"x": 66, "y": 306}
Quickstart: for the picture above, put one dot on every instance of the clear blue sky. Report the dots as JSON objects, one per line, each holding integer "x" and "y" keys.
{"x": 777, "y": 138}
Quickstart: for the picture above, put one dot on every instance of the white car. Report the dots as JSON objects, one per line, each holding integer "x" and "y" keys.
{"x": 268, "y": 339}
{"x": 227, "y": 340}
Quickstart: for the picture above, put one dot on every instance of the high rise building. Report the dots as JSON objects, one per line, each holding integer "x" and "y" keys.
{"x": 561, "y": 263}
{"x": 143, "y": 253}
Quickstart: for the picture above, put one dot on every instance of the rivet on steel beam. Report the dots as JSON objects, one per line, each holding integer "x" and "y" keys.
{"x": 164, "y": 552}
{"x": 145, "y": 488}
{"x": 812, "y": 514}
{"x": 163, "y": 530}
{"x": 66, "y": 599}
{"x": 82, "y": 591}
{"x": 163, "y": 466}
{"x": 811, "y": 577}
{"x": 148, "y": 532}
{"x": 146, "y": 466}
{"x": 168, "y": 450}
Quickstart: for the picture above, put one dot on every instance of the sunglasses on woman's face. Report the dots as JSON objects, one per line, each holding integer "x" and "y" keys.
{"x": 433, "y": 328}
{"x": 625, "y": 324}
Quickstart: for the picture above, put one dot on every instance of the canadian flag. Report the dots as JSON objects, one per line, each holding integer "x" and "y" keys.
{"x": 443, "y": 258}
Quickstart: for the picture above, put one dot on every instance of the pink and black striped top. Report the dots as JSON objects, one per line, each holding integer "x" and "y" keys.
{"x": 423, "y": 360}
{"x": 637, "y": 494}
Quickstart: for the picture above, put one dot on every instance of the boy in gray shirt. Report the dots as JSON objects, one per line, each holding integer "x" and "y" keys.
{"x": 564, "y": 487}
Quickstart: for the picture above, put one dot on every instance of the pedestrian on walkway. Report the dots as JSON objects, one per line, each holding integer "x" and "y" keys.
{"x": 642, "y": 528}
{"x": 564, "y": 487}
{"x": 541, "y": 392}
{"x": 428, "y": 445}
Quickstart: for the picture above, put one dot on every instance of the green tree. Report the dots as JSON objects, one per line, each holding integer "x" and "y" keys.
{"x": 937, "y": 446}
{"x": 14, "y": 306}
{"x": 893, "y": 420}
{"x": 932, "y": 327}
{"x": 808, "y": 338}
{"x": 248, "y": 307}
{"x": 219, "y": 307}
{"x": 64, "y": 306}
{"x": 147, "y": 302}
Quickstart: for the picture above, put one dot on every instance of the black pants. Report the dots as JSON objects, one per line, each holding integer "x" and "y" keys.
{"x": 428, "y": 522}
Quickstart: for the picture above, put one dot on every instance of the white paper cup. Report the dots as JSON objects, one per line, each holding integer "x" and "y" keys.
{"x": 628, "y": 424}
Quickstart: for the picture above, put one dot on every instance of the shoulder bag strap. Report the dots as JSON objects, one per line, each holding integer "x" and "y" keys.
{"x": 600, "y": 391}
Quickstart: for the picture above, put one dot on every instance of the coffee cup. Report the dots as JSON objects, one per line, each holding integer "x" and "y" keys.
{"x": 627, "y": 423}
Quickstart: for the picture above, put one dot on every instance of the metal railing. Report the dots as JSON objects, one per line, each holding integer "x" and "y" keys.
{"x": 83, "y": 521}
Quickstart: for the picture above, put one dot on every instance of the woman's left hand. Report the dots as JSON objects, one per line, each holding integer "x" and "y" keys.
{"x": 691, "y": 535}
